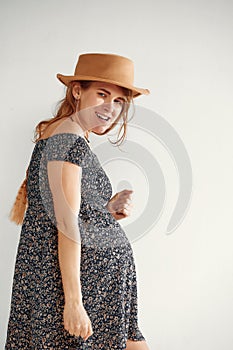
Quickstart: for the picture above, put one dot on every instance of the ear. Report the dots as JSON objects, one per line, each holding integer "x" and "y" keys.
{"x": 76, "y": 90}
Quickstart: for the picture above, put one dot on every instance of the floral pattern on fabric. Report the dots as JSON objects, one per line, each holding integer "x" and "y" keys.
{"x": 108, "y": 274}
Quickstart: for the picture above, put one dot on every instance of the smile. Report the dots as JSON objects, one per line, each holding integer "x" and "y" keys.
{"x": 103, "y": 117}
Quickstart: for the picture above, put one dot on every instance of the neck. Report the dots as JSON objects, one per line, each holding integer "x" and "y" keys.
{"x": 85, "y": 132}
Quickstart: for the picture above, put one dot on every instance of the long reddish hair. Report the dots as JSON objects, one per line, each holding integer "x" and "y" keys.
{"x": 66, "y": 108}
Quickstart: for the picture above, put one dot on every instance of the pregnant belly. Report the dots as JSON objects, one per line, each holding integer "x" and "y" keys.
{"x": 102, "y": 232}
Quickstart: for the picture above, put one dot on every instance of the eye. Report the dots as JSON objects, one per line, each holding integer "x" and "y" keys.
{"x": 120, "y": 102}
{"x": 102, "y": 94}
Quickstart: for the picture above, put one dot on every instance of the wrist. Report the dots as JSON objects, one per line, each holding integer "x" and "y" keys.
{"x": 73, "y": 301}
{"x": 73, "y": 295}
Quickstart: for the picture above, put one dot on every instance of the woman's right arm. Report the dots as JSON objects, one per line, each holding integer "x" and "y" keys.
{"x": 64, "y": 181}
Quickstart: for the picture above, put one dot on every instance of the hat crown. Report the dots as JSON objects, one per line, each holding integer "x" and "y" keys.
{"x": 106, "y": 66}
{"x": 109, "y": 68}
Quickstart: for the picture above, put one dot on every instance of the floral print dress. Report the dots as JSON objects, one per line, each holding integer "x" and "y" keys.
{"x": 107, "y": 272}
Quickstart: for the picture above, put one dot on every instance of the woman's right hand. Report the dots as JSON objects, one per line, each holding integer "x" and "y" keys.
{"x": 76, "y": 320}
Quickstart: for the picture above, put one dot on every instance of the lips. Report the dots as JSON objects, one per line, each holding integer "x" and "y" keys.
{"x": 102, "y": 116}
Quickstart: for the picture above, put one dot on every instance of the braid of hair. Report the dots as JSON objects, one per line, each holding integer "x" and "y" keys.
{"x": 18, "y": 210}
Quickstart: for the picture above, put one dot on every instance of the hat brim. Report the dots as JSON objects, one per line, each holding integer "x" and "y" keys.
{"x": 66, "y": 79}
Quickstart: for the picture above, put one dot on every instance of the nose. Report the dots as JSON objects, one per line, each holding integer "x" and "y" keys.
{"x": 109, "y": 107}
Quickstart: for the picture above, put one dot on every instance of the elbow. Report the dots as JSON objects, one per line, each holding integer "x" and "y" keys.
{"x": 69, "y": 229}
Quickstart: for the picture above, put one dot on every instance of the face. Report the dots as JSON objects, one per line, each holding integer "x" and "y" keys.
{"x": 99, "y": 106}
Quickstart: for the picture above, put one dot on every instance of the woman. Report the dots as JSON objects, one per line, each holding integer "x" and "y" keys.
{"x": 75, "y": 280}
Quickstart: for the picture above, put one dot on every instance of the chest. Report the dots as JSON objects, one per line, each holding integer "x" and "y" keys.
{"x": 95, "y": 184}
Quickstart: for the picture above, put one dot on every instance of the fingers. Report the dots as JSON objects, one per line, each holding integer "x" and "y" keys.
{"x": 124, "y": 204}
{"x": 125, "y": 193}
{"x": 76, "y": 331}
{"x": 89, "y": 332}
{"x": 124, "y": 196}
{"x": 124, "y": 209}
{"x": 84, "y": 331}
{"x": 120, "y": 204}
{"x": 76, "y": 321}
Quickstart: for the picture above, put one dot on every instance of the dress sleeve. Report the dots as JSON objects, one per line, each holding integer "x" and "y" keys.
{"x": 67, "y": 147}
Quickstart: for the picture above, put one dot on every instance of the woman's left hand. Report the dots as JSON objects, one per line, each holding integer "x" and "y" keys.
{"x": 120, "y": 204}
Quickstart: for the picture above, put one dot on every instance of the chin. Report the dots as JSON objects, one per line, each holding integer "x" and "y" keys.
{"x": 99, "y": 131}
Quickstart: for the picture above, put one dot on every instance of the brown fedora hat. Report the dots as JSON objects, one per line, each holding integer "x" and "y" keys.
{"x": 108, "y": 68}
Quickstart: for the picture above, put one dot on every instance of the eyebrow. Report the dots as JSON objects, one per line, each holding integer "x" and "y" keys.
{"x": 109, "y": 93}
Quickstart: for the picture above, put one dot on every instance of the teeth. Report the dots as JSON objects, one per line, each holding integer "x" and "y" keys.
{"x": 102, "y": 117}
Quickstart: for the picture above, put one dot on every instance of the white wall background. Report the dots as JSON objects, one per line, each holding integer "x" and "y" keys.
{"x": 183, "y": 52}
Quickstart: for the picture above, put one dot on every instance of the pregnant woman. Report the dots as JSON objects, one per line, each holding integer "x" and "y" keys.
{"x": 75, "y": 283}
